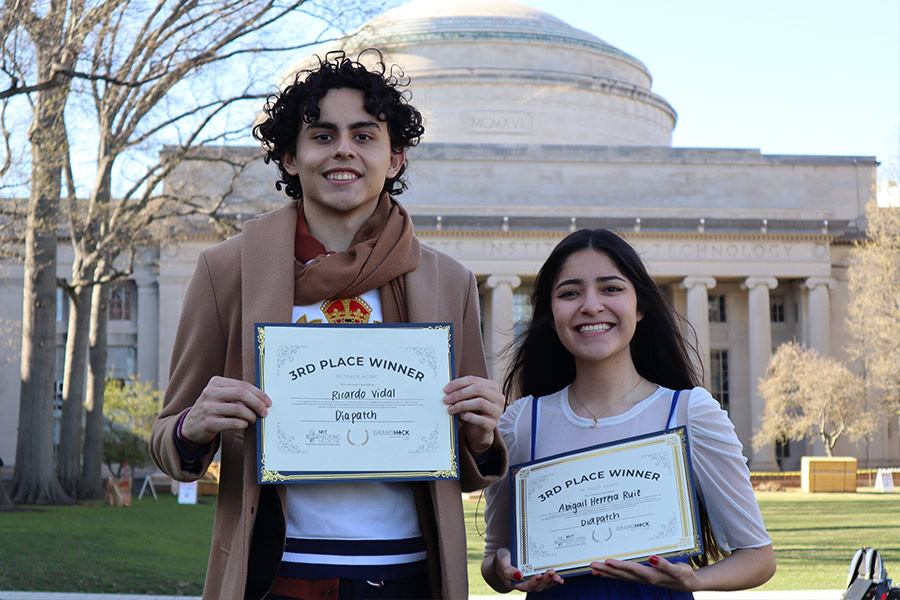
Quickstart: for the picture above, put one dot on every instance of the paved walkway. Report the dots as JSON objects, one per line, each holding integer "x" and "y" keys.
{"x": 793, "y": 595}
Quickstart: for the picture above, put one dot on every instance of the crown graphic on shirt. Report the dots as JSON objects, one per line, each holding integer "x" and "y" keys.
{"x": 347, "y": 310}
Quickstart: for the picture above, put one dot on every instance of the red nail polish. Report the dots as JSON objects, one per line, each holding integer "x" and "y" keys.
{"x": 518, "y": 575}
{"x": 653, "y": 560}
{"x": 538, "y": 578}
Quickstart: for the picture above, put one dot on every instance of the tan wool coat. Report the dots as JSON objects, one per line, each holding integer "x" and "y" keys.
{"x": 250, "y": 279}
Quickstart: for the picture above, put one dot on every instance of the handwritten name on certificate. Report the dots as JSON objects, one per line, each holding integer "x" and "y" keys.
{"x": 353, "y": 402}
{"x": 627, "y": 500}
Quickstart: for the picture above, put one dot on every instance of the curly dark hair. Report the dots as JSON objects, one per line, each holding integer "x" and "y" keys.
{"x": 298, "y": 103}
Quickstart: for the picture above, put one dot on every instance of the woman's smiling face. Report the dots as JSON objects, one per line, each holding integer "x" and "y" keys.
{"x": 594, "y": 308}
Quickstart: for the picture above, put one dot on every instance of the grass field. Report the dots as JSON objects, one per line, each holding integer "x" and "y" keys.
{"x": 152, "y": 547}
{"x": 160, "y": 547}
{"x": 814, "y": 536}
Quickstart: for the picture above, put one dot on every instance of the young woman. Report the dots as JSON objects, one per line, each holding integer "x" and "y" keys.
{"x": 601, "y": 361}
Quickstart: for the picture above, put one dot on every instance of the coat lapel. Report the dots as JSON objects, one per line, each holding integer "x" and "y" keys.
{"x": 267, "y": 273}
{"x": 423, "y": 296}
{"x": 423, "y": 291}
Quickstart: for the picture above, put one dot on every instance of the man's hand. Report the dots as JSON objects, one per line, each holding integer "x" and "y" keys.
{"x": 225, "y": 404}
{"x": 478, "y": 403}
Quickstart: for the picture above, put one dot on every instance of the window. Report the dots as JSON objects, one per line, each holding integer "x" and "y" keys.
{"x": 121, "y": 362}
{"x": 782, "y": 449}
{"x": 58, "y": 374}
{"x": 120, "y": 300}
{"x": 776, "y": 308}
{"x": 718, "y": 367}
{"x": 62, "y": 305}
{"x": 521, "y": 308}
{"x": 717, "y": 308}
{"x": 57, "y": 398}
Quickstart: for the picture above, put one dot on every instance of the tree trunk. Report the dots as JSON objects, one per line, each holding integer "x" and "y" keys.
{"x": 5, "y": 501}
{"x": 893, "y": 438}
{"x": 68, "y": 462}
{"x": 34, "y": 478}
{"x": 91, "y": 484}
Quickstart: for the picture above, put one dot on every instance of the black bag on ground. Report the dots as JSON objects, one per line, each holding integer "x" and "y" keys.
{"x": 867, "y": 578}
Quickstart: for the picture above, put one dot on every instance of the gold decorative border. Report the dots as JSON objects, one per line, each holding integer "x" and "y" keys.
{"x": 676, "y": 441}
{"x": 273, "y": 476}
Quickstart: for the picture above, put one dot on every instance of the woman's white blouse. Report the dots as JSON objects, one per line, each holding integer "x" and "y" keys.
{"x": 720, "y": 469}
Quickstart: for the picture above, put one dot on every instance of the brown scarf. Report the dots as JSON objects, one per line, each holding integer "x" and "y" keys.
{"x": 382, "y": 251}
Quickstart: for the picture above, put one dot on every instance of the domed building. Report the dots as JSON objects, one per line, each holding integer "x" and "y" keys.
{"x": 505, "y": 73}
{"x": 534, "y": 128}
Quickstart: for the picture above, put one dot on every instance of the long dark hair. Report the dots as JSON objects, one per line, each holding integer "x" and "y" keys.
{"x": 541, "y": 365}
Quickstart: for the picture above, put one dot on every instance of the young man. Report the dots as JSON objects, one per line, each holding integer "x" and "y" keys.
{"x": 338, "y": 136}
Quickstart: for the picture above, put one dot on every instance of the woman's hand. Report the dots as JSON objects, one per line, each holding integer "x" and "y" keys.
{"x": 510, "y": 574}
{"x": 744, "y": 568}
{"x": 674, "y": 575}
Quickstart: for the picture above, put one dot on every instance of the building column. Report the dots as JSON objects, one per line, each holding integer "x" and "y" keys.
{"x": 147, "y": 328}
{"x": 698, "y": 316}
{"x": 818, "y": 333}
{"x": 801, "y": 297}
{"x": 760, "y": 353}
{"x": 498, "y": 326}
{"x": 820, "y": 313}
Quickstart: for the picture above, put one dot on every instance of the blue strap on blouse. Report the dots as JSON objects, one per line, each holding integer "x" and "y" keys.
{"x": 534, "y": 418}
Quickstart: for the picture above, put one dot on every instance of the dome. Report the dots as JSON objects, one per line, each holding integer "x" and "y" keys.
{"x": 422, "y": 20}
{"x": 500, "y": 71}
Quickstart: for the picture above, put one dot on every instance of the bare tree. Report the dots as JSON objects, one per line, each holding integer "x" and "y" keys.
{"x": 874, "y": 309}
{"x": 9, "y": 333}
{"x": 131, "y": 116}
{"x": 54, "y": 35}
{"x": 153, "y": 72}
{"x": 162, "y": 57}
{"x": 137, "y": 56}
{"x": 807, "y": 395}
{"x": 90, "y": 484}
{"x": 54, "y": 32}
{"x": 6, "y": 502}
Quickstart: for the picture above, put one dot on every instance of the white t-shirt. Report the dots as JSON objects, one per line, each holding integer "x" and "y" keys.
{"x": 364, "y": 510}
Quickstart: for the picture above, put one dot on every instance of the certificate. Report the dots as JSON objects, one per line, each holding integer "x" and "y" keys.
{"x": 627, "y": 500}
{"x": 353, "y": 402}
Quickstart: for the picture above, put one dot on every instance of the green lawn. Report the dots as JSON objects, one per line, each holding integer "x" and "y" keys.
{"x": 152, "y": 547}
{"x": 160, "y": 547}
{"x": 814, "y": 536}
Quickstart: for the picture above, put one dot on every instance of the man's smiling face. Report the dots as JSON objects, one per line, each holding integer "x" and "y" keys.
{"x": 343, "y": 158}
